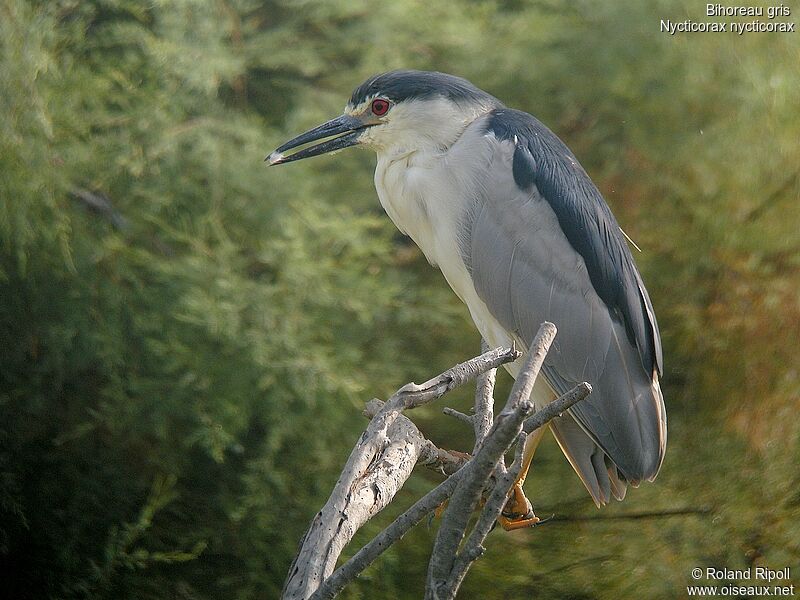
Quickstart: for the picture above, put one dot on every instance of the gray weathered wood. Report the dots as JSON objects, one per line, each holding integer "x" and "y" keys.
{"x": 378, "y": 466}
{"x": 483, "y": 418}
{"x": 467, "y": 494}
{"x": 386, "y": 454}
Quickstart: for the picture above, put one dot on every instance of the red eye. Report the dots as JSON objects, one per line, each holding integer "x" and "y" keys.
{"x": 380, "y": 107}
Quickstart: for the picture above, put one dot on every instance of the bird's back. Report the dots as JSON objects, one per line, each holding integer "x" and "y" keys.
{"x": 543, "y": 245}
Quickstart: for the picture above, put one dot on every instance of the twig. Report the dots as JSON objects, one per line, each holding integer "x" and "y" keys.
{"x": 466, "y": 497}
{"x": 473, "y": 547}
{"x": 102, "y": 205}
{"x": 523, "y": 386}
{"x": 484, "y": 404}
{"x": 654, "y": 514}
{"x": 556, "y": 407}
{"x": 413, "y": 395}
{"x": 765, "y": 204}
{"x": 576, "y": 563}
{"x": 452, "y": 412}
{"x": 467, "y": 494}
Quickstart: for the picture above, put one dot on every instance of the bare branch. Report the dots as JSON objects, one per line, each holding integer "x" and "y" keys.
{"x": 377, "y": 468}
{"x": 102, "y": 205}
{"x": 431, "y": 456}
{"x": 387, "y": 452}
{"x": 473, "y": 547}
{"x": 634, "y": 516}
{"x": 466, "y": 496}
{"x": 412, "y": 395}
{"x": 523, "y": 386}
{"x": 772, "y": 198}
{"x": 555, "y": 408}
{"x": 367, "y": 555}
{"x": 452, "y": 412}
{"x": 484, "y": 403}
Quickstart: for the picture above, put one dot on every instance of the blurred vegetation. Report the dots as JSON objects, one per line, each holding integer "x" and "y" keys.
{"x": 187, "y": 337}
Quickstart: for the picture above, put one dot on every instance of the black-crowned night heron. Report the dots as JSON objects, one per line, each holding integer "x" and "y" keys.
{"x": 523, "y": 236}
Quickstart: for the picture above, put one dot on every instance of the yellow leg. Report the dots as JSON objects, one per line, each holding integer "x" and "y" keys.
{"x": 518, "y": 512}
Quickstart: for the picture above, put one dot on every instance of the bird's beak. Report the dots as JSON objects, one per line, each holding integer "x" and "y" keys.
{"x": 350, "y": 128}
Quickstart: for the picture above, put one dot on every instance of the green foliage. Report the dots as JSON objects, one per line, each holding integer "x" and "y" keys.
{"x": 182, "y": 366}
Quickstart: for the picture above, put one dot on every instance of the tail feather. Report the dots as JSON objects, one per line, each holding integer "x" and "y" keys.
{"x": 592, "y": 465}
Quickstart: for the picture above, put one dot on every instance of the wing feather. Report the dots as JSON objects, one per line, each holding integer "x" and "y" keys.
{"x": 543, "y": 245}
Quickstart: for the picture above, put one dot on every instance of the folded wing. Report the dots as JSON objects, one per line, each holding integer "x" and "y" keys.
{"x": 543, "y": 245}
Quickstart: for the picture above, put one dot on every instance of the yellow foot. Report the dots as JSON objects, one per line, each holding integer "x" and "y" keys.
{"x": 518, "y": 512}
{"x": 512, "y": 524}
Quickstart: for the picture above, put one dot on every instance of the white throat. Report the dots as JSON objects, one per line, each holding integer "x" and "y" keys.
{"x": 425, "y": 190}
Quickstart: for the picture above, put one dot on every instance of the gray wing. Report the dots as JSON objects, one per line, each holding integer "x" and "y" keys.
{"x": 541, "y": 244}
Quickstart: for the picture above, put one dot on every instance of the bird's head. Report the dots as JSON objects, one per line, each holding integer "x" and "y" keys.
{"x": 399, "y": 111}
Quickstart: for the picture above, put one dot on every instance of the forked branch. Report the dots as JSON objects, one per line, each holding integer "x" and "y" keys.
{"x": 385, "y": 455}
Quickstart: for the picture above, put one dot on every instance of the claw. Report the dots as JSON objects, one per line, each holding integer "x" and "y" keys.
{"x": 512, "y": 524}
{"x": 518, "y": 511}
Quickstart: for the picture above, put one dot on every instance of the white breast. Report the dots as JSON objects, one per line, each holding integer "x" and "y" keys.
{"x": 426, "y": 192}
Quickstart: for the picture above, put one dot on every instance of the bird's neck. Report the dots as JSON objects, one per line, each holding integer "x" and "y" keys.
{"x": 425, "y": 188}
